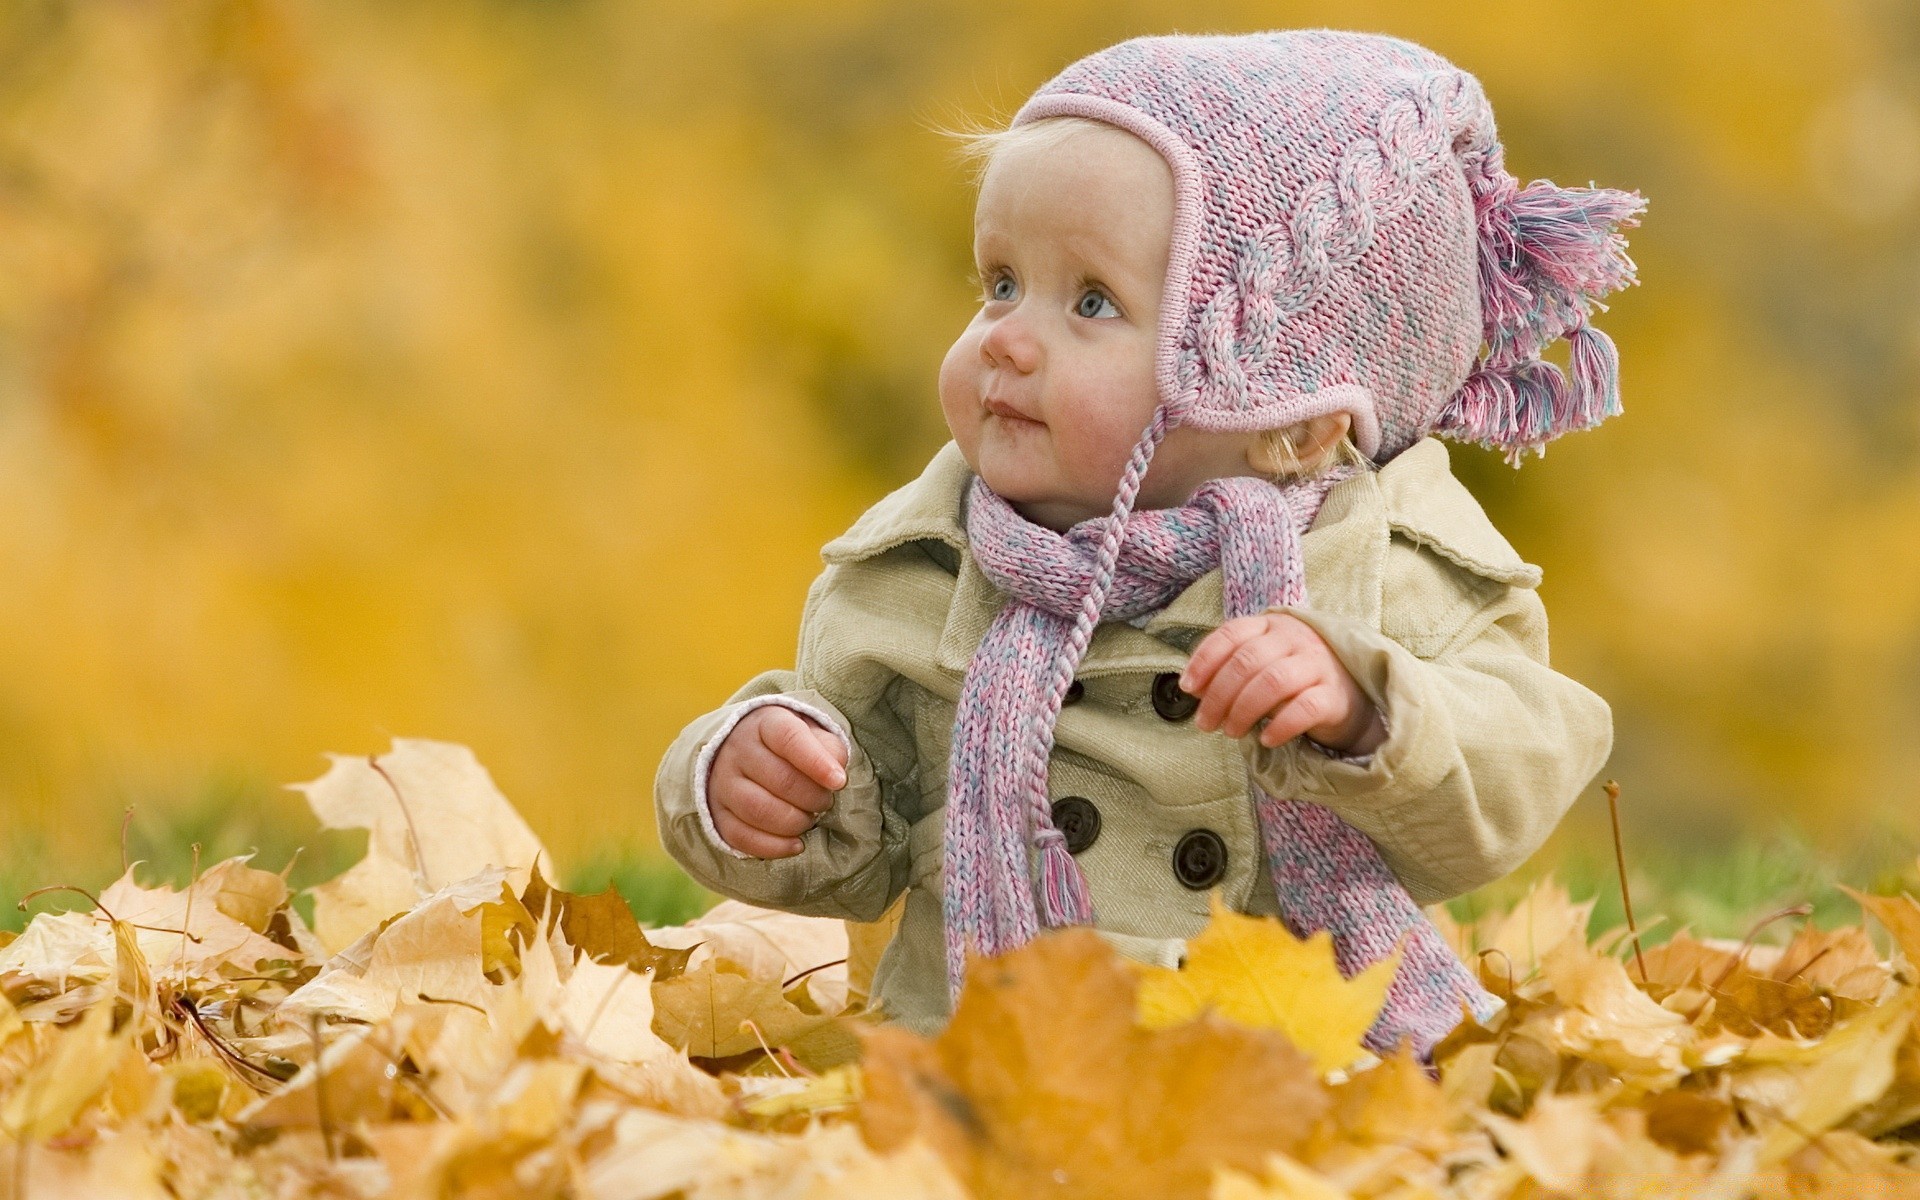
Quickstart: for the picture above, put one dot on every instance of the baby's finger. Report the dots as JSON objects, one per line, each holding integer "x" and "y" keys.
{"x": 1215, "y": 649}
{"x": 763, "y": 810}
{"x": 1308, "y": 708}
{"x": 780, "y": 777}
{"x": 1274, "y": 683}
{"x": 747, "y": 840}
{"x": 1232, "y": 677}
{"x": 791, "y": 736}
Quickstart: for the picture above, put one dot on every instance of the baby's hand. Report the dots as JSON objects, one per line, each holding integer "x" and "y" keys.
{"x": 1275, "y": 666}
{"x": 773, "y": 777}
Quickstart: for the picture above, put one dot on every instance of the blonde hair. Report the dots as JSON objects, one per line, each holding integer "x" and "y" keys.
{"x": 980, "y": 144}
{"x": 1278, "y": 445}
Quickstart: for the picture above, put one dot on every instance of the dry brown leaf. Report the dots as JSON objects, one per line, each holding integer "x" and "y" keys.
{"x": 1900, "y": 914}
{"x": 356, "y": 1075}
{"x": 1610, "y": 1020}
{"x": 431, "y": 952}
{"x": 768, "y": 944}
{"x": 603, "y": 928}
{"x": 1837, "y": 1075}
{"x": 433, "y": 817}
{"x": 716, "y": 1010}
{"x": 210, "y": 937}
{"x": 1044, "y": 1084}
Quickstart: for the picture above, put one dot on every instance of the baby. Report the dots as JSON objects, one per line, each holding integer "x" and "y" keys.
{"x": 1191, "y": 603}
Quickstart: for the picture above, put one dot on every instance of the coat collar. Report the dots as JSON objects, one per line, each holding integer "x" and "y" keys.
{"x": 1415, "y": 495}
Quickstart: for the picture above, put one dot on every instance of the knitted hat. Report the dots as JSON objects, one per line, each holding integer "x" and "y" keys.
{"x": 1346, "y": 237}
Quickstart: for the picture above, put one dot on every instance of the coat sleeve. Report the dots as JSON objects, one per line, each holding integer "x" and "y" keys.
{"x": 854, "y": 862}
{"x": 1487, "y": 746}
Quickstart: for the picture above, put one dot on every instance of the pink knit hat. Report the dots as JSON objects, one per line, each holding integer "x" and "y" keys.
{"x": 1346, "y": 237}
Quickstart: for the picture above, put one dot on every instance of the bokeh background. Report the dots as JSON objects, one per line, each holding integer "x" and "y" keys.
{"x": 493, "y": 371}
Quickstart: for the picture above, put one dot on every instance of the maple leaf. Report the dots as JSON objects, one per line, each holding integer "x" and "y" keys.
{"x": 717, "y": 1010}
{"x": 1044, "y": 1084}
{"x": 602, "y": 927}
{"x": 1838, "y": 1075}
{"x": 1610, "y": 1020}
{"x": 1900, "y": 914}
{"x": 433, "y": 817}
{"x": 72, "y": 1074}
{"x": 769, "y": 944}
{"x": 434, "y": 950}
{"x": 1253, "y": 971}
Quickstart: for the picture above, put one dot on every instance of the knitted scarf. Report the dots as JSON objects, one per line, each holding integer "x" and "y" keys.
{"x": 1326, "y": 874}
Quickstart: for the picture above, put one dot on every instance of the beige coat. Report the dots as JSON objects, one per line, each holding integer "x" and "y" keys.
{"x": 1424, "y": 602}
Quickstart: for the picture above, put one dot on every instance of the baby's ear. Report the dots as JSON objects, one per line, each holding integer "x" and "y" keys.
{"x": 1300, "y": 447}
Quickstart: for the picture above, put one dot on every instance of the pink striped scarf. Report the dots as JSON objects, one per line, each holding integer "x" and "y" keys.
{"x": 1326, "y": 874}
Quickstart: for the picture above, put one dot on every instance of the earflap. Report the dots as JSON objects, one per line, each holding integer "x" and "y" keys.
{"x": 1547, "y": 254}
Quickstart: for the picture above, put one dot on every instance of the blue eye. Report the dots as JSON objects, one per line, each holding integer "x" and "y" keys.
{"x": 1002, "y": 288}
{"x": 1094, "y": 303}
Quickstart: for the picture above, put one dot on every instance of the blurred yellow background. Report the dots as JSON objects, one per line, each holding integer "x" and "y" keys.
{"x": 494, "y": 371}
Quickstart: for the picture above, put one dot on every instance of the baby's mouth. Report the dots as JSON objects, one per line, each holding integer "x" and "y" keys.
{"x": 1007, "y": 412}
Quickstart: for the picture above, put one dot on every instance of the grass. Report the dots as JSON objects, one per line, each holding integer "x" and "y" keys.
{"x": 231, "y": 819}
{"x": 1717, "y": 890}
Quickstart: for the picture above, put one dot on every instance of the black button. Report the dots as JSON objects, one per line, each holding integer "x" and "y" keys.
{"x": 1169, "y": 701}
{"x": 1199, "y": 859}
{"x": 1075, "y": 690}
{"x": 1077, "y": 820}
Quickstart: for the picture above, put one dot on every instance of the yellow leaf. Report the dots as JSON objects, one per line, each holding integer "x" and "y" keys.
{"x": 1286, "y": 1180}
{"x": 1837, "y": 1075}
{"x": 1900, "y": 914}
{"x": 1044, "y": 1083}
{"x": 66, "y": 1079}
{"x": 1253, "y": 971}
{"x": 716, "y": 1010}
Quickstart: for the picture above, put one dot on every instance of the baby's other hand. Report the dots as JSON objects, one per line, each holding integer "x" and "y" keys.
{"x": 773, "y": 777}
{"x": 1274, "y": 665}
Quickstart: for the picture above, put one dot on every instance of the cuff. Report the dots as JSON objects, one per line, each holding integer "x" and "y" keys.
{"x": 1358, "y": 760}
{"x": 1412, "y": 760}
{"x": 703, "y": 765}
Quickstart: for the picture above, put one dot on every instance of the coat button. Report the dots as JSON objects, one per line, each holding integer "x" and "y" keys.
{"x": 1075, "y": 691}
{"x": 1169, "y": 701}
{"x": 1199, "y": 859}
{"x": 1077, "y": 820}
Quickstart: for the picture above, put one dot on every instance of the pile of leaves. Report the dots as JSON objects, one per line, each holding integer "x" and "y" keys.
{"x": 450, "y": 1024}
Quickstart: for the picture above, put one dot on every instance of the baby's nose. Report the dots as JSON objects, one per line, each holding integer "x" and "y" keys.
{"x": 1012, "y": 343}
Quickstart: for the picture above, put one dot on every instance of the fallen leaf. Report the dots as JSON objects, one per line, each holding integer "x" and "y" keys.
{"x": 717, "y": 1010}
{"x": 1285, "y": 1180}
{"x": 1900, "y": 914}
{"x": 768, "y": 944}
{"x": 1555, "y": 1143}
{"x": 1044, "y": 1084}
{"x": 603, "y": 928}
{"x": 68, "y": 1076}
{"x": 433, "y": 817}
{"x": 1254, "y": 972}
{"x": 1839, "y": 1074}
{"x": 432, "y": 951}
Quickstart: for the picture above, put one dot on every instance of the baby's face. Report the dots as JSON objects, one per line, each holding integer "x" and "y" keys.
{"x": 1051, "y": 384}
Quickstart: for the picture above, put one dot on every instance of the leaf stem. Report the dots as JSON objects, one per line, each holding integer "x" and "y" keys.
{"x": 1620, "y": 858}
